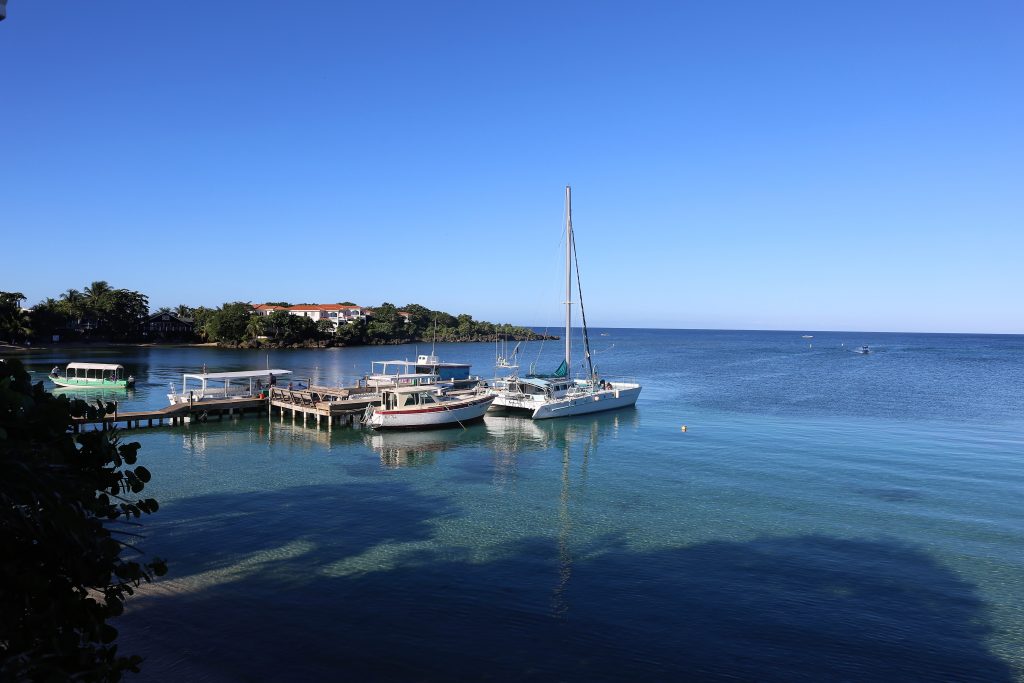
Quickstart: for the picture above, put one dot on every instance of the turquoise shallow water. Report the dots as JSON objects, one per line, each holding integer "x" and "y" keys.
{"x": 825, "y": 516}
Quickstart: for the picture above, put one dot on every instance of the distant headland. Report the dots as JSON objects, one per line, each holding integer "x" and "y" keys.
{"x": 103, "y": 314}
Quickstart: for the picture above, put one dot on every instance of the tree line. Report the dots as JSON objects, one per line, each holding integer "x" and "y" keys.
{"x": 236, "y": 324}
{"x": 101, "y": 312}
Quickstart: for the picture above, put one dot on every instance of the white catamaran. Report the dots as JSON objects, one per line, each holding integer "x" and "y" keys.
{"x": 558, "y": 395}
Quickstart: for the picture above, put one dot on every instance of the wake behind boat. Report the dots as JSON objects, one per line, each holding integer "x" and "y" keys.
{"x": 557, "y": 395}
{"x": 92, "y": 376}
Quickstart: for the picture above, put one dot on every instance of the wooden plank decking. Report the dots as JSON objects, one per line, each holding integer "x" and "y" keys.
{"x": 174, "y": 415}
{"x": 334, "y": 405}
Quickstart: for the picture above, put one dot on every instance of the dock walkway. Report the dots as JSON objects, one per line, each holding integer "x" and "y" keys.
{"x": 175, "y": 415}
{"x": 336, "y": 405}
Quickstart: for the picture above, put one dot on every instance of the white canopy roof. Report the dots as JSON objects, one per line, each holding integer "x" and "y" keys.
{"x": 95, "y": 366}
{"x": 236, "y": 375}
{"x": 422, "y": 388}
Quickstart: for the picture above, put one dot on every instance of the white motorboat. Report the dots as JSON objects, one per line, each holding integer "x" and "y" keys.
{"x": 557, "y": 395}
{"x": 864, "y": 350}
{"x": 417, "y": 407}
{"x": 213, "y": 386}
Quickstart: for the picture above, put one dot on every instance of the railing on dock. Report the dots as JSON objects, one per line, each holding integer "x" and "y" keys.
{"x": 335, "y": 405}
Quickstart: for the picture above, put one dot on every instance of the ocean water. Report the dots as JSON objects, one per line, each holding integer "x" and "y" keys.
{"x": 824, "y": 516}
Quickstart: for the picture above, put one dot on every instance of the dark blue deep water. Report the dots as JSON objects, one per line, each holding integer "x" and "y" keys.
{"x": 826, "y": 516}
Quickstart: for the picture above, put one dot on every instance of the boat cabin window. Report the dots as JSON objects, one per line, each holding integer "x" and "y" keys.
{"x": 417, "y": 399}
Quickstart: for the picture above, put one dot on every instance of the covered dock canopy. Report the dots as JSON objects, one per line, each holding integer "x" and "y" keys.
{"x": 235, "y": 375}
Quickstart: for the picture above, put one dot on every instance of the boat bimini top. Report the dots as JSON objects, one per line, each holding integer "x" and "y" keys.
{"x": 112, "y": 367}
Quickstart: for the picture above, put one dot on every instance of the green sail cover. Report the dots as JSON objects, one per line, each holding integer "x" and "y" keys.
{"x": 562, "y": 371}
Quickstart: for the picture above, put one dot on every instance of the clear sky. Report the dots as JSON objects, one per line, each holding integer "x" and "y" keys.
{"x": 768, "y": 165}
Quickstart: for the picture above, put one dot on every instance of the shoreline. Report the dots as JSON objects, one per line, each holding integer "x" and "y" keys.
{"x": 79, "y": 345}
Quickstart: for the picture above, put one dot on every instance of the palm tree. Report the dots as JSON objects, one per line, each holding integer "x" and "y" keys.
{"x": 73, "y": 303}
{"x": 255, "y": 328}
{"x": 324, "y": 328}
{"x": 97, "y": 289}
{"x": 96, "y": 296}
{"x": 183, "y": 311}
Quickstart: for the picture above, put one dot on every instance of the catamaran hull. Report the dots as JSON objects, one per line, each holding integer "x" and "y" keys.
{"x": 435, "y": 416}
{"x": 583, "y": 405}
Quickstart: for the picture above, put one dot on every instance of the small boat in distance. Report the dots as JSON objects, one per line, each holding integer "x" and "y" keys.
{"x": 92, "y": 376}
{"x": 418, "y": 407}
{"x": 241, "y": 384}
{"x": 864, "y": 350}
{"x": 807, "y": 336}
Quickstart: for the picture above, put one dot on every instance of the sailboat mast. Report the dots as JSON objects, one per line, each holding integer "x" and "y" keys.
{"x": 568, "y": 276}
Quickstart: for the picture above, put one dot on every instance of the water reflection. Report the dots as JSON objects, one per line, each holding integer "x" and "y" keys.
{"x": 93, "y": 394}
{"x": 418, "y": 448}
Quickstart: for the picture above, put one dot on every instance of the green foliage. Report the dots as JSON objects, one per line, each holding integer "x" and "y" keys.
{"x": 99, "y": 311}
{"x": 68, "y": 562}
{"x": 107, "y": 313}
{"x": 256, "y": 327}
{"x": 386, "y": 324}
{"x": 228, "y": 323}
{"x": 201, "y": 318}
{"x": 353, "y": 333}
{"x": 14, "y": 323}
{"x": 47, "y": 319}
{"x": 121, "y": 313}
{"x": 299, "y": 329}
{"x": 426, "y": 324}
{"x": 324, "y": 328}
{"x": 277, "y": 324}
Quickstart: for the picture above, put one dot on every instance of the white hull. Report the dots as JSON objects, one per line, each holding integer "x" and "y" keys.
{"x": 438, "y": 415}
{"x": 542, "y": 408}
{"x": 598, "y": 402}
{"x": 214, "y": 395}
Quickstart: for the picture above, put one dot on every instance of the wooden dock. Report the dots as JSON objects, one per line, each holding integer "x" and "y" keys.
{"x": 332, "y": 405}
{"x": 175, "y": 415}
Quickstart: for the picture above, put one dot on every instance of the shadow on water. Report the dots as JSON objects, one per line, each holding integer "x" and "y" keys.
{"x": 772, "y": 609}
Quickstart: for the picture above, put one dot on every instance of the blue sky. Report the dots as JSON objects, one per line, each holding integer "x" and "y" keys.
{"x": 798, "y": 165}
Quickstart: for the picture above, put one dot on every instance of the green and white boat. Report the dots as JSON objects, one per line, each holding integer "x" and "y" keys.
{"x": 92, "y": 376}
